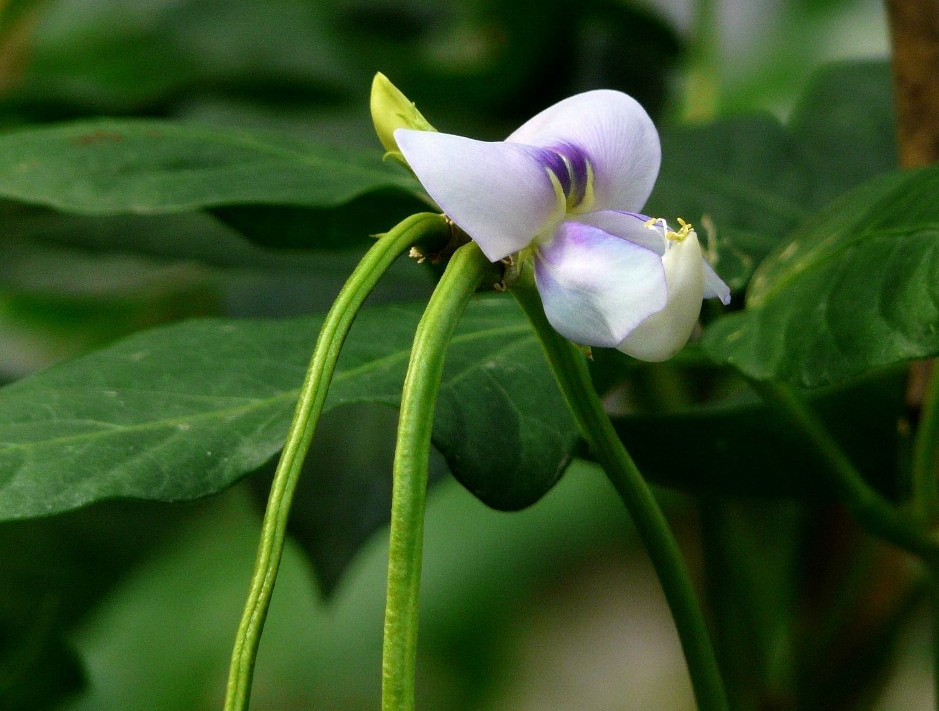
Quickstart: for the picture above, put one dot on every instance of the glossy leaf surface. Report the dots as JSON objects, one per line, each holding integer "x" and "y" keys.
{"x": 855, "y": 289}
{"x": 184, "y": 411}
{"x": 111, "y": 166}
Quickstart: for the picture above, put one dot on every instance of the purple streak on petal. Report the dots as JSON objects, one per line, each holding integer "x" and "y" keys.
{"x": 554, "y": 161}
{"x": 577, "y": 168}
{"x": 597, "y": 287}
{"x": 615, "y": 135}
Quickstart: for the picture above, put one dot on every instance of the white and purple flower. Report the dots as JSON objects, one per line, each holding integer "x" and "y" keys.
{"x": 565, "y": 189}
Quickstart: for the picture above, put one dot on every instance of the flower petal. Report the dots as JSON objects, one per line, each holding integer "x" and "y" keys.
{"x": 596, "y": 287}
{"x": 628, "y": 225}
{"x": 500, "y": 194}
{"x": 617, "y": 137}
{"x": 714, "y": 286}
{"x": 663, "y": 334}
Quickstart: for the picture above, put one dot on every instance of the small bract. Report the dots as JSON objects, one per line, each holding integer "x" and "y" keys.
{"x": 565, "y": 190}
{"x": 392, "y": 110}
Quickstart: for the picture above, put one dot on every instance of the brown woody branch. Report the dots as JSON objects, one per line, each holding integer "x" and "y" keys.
{"x": 914, "y": 29}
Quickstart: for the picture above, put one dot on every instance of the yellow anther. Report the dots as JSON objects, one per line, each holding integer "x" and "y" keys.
{"x": 657, "y": 223}
{"x": 683, "y": 231}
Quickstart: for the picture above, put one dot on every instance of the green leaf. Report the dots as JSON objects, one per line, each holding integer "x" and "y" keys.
{"x": 114, "y": 56}
{"x": 856, "y": 288}
{"x": 746, "y": 182}
{"x": 501, "y": 422}
{"x": 737, "y": 448}
{"x": 110, "y": 167}
{"x": 276, "y": 190}
{"x": 184, "y": 411}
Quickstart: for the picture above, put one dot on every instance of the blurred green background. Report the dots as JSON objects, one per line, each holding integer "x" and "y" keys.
{"x": 132, "y": 606}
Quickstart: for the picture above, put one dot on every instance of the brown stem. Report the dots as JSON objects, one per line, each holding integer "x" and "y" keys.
{"x": 914, "y": 33}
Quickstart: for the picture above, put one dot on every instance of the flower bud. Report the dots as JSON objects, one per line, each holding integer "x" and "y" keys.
{"x": 392, "y": 110}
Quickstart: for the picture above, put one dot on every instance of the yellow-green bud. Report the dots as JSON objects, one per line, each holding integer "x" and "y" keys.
{"x": 392, "y": 110}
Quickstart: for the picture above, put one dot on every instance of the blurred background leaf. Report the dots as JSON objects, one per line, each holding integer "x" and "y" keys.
{"x": 121, "y": 57}
{"x": 481, "y": 584}
{"x": 747, "y": 181}
{"x": 735, "y": 446}
{"x": 343, "y": 497}
{"x": 72, "y": 282}
{"x": 54, "y": 572}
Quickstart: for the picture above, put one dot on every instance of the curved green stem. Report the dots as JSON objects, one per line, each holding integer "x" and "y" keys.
{"x": 868, "y": 507}
{"x": 926, "y": 490}
{"x": 309, "y": 406}
{"x": 570, "y": 370}
{"x": 465, "y": 272}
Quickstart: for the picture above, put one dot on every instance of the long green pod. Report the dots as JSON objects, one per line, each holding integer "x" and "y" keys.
{"x": 466, "y": 271}
{"x": 365, "y": 276}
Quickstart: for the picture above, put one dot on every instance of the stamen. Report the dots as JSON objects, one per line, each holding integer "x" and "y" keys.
{"x": 657, "y": 223}
{"x": 683, "y": 231}
{"x": 685, "y": 228}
